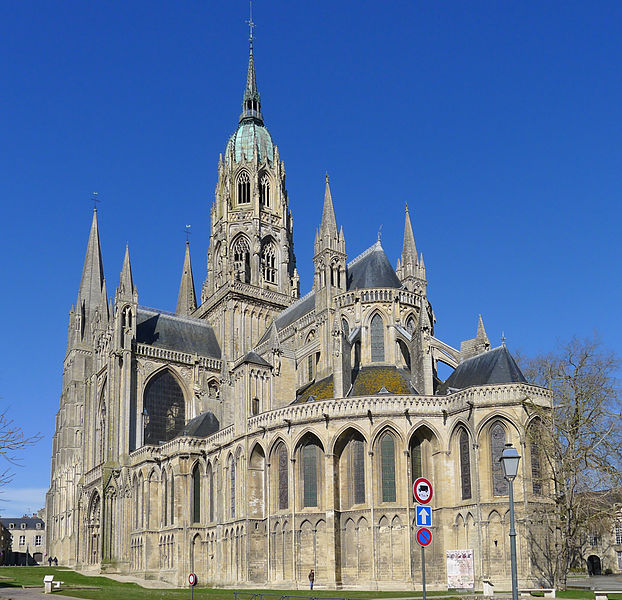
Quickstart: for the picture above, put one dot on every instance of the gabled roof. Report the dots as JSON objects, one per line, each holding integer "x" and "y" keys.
{"x": 372, "y": 269}
{"x": 202, "y": 426}
{"x": 494, "y": 366}
{"x": 254, "y": 358}
{"x": 185, "y": 334}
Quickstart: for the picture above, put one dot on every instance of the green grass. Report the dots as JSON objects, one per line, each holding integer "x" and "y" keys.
{"x": 114, "y": 590}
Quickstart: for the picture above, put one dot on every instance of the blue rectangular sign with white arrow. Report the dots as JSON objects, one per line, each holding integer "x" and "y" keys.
{"x": 423, "y": 515}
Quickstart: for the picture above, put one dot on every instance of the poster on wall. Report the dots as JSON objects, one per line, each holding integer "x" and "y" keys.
{"x": 460, "y": 569}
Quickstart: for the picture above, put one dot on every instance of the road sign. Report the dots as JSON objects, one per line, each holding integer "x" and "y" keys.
{"x": 192, "y": 579}
{"x": 424, "y": 536}
{"x": 422, "y": 490}
{"x": 423, "y": 515}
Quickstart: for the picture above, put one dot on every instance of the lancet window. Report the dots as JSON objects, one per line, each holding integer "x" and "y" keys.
{"x": 377, "y": 339}
{"x": 465, "y": 465}
{"x": 283, "y": 477}
{"x": 242, "y": 260}
{"x": 497, "y": 443}
{"x": 165, "y": 412}
{"x": 264, "y": 191}
{"x": 232, "y": 485}
{"x": 268, "y": 262}
{"x": 534, "y": 451}
{"x": 244, "y": 188}
{"x": 387, "y": 463}
{"x": 196, "y": 494}
{"x": 310, "y": 470}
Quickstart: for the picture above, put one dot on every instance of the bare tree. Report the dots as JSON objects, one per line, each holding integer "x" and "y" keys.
{"x": 12, "y": 441}
{"x": 576, "y": 452}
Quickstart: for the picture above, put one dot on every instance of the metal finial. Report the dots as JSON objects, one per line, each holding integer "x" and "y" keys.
{"x": 95, "y": 200}
{"x": 379, "y": 233}
{"x": 406, "y": 207}
{"x": 503, "y": 339}
{"x": 187, "y": 232}
{"x": 250, "y": 22}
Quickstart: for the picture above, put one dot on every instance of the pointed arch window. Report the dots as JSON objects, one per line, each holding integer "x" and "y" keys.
{"x": 244, "y": 188}
{"x": 310, "y": 460}
{"x": 377, "y": 339}
{"x": 268, "y": 263}
{"x": 387, "y": 463}
{"x": 210, "y": 491}
{"x": 242, "y": 260}
{"x": 534, "y": 451}
{"x": 415, "y": 459}
{"x": 264, "y": 191}
{"x": 165, "y": 408}
{"x": 345, "y": 327}
{"x": 410, "y": 325}
{"x": 164, "y": 499}
{"x": 232, "y": 485}
{"x": 357, "y": 469}
{"x": 497, "y": 443}
{"x": 196, "y": 494}
{"x": 283, "y": 477}
{"x": 172, "y": 500}
{"x": 465, "y": 465}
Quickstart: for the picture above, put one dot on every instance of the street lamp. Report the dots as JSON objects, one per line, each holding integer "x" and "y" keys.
{"x": 509, "y": 461}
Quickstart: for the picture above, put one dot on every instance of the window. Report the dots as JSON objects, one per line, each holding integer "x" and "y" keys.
{"x": 310, "y": 367}
{"x": 410, "y": 325}
{"x": 465, "y": 465}
{"x": 38, "y": 525}
{"x": 387, "y": 457}
{"x": 497, "y": 443}
{"x": 242, "y": 260}
{"x": 255, "y": 406}
{"x": 357, "y": 469}
{"x": 164, "y": 499}
{"x": 172, "y": 498}
{"x": 283, "y": 483}
{"x": 345, "y": 327}
{"x": 415, "y": 459}
{"x": 210, "y": 485}
{"x": 619, "y": 559}
{"x": 165, "y": 409}
{"x": 37, "y": 540}
{"x": 244, "y": 188}
{"x": 310, "y": 458}
{"x": 22, "y": 540}
{"x": 264, "y": 190}
{"x": 593, "y": 539}
{"x": 11, "y": 525}
{"x": 232, "y": 485}
{"x": 23, "y": 526}
{"x": 268, "y": 261}
{"x": 536, "y": 471}
{"x": 619, "y": 533}
{"x": 196, "y": 494}
{"x": 377, "y": 339}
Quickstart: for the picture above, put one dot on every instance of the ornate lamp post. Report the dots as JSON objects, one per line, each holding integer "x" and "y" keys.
{"x": 509, "y": 461}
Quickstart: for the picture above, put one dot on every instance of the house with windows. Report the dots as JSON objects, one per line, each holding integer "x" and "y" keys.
{"x": 27, "y": 538}
{"x": 254, "y": 434}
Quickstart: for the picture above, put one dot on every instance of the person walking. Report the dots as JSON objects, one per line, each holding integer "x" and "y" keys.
{"x": 311, "y": 578}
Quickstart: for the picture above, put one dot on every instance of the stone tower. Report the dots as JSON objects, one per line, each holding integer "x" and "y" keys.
{"x": 251, "y": 273}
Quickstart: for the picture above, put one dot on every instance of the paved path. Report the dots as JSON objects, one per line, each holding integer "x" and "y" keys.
{"x": 9, "y": 593}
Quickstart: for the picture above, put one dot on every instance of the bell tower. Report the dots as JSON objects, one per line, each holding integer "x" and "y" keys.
{"x": 251, "y": 268}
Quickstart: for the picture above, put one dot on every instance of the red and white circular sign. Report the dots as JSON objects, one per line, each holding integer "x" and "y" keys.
{"x": 192, "y": 579}
{"x": 422, "y": 490}
{"x": 424, "y": 536}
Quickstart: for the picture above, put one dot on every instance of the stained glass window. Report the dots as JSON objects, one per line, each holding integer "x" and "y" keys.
{"x": 165, "y": 499}
{"x": 497, "y": 443}
{"x": 415, "y": 459}
{"x": 387, "y": 453}
{"x": 309, "y": 475}
{"x": 357, "y": 458}
{"x": 210, "y": 478}
{"x": 165, "y": 409}
{"x": 377, "y": 339}
{"x": 196, "y": 494}
{"x": 232, "y": 484}
{"x": 465, "y": 465}
{"x": 283, "y": 486}
{"x": 172, "y": 498}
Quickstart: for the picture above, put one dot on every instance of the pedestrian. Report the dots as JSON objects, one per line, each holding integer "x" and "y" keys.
{"x": 311, "y": 578}
{"x": 55, "y": 562}
{"x": 50, "y": 561}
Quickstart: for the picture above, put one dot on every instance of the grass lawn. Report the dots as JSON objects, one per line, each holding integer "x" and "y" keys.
{"x": 114, "y": 590}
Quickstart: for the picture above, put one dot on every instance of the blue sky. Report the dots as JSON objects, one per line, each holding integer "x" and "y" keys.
{"x": 498, "y": 122}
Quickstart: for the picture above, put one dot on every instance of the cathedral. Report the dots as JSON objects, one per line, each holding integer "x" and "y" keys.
{"x": 255, "y": 435}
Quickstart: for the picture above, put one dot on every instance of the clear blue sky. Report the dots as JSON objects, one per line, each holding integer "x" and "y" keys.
{"x": 499, "y": 123}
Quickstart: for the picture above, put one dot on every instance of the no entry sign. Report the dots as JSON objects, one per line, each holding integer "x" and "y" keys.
{"x": 192, "y": 579}
{"x": 422, "y": 490}
{"x": 424, "y": 536}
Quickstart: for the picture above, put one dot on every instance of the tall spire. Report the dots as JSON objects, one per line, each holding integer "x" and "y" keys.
{"x": 252, "y": 102}
{"x": 329, "y": 222}
{"x": 126, "y": 281}
{"x": 409, "y": 250}
{"x": 92, "y": 282}
{"x": 187, "y": 300}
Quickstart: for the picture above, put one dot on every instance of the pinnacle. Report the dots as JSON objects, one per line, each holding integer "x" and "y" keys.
{"x": 186, "y": 300}
{"x": 329, "y": 223}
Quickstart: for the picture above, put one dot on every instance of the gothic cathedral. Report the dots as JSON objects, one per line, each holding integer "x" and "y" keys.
{"x": 257, "y": 435}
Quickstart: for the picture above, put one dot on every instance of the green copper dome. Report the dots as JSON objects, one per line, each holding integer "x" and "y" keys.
{"x": 250, "y": 137}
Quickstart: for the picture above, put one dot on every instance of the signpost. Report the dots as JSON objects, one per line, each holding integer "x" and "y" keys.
{"x": 192, "y": 580}
{"x": 422, "y": 491}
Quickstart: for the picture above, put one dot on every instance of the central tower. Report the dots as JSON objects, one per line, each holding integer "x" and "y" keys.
{"x": 251, "y": 268}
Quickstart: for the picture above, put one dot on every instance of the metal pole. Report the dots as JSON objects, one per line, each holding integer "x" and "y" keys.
{"x": 191, "y": 592}
{"x": 423, "y": 571}
{"x": 512, "y": 543}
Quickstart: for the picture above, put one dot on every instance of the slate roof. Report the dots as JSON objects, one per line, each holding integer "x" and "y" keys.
{"x": 173, "y": 332}
{"x": 31, "y": 523}
{"x": 253, "y": 357}
{"x": 372, "y": 269}
{"x": 202, "y": 426}
{"x": 494, "y": 366}
{"x": 319, "y": 390}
